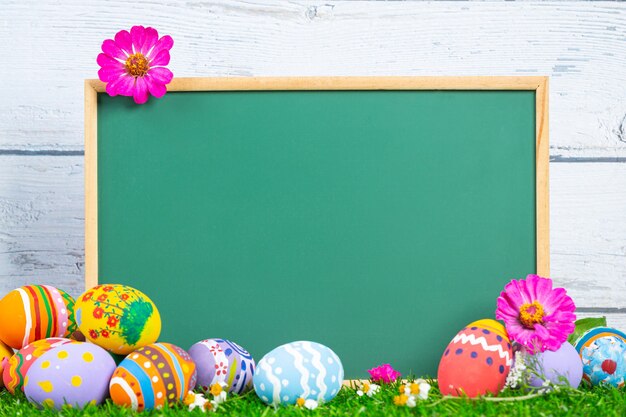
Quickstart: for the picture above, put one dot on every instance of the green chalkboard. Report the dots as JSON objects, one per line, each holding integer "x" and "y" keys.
{"x": 377, "y": 223}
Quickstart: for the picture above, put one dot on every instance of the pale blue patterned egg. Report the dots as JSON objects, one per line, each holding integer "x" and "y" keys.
{"x": 295, "y": 370}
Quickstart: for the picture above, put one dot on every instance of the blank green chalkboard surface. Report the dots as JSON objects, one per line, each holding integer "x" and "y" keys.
{"x": 376, "y": 216}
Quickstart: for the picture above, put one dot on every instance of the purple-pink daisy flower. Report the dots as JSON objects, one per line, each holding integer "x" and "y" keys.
{"x": 384, "y": 373}
{"x": 535, "y": 314}
{"x": 133, "y": 64}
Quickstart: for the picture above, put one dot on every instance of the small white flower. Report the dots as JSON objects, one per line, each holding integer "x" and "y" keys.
{"x": 218, "y": 390}
{"x": 368, "y": 389}
{"x": 310, "y": 404}
{"x": 411, "y": 402}
{"x": 194, "y": 400}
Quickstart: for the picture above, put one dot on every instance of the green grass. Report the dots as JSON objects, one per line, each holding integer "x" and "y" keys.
{"x": 583, "y": 402}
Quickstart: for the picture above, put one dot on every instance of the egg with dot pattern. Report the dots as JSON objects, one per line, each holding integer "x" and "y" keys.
{"x": 76, "y": 373}
{"x": 118, "y": 318}
{"x": 222, "y": 361}
{"x": 17, "y": 367}
{"x": 152, "y": 376}
{"x": 476, "y": 361}
{"x": 36, "y": 312}
{"x": 295, "y": 370}
{"x": 603, "y": 353}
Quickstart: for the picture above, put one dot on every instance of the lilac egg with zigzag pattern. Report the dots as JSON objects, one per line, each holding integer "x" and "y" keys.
{"x": 222, "y": 361}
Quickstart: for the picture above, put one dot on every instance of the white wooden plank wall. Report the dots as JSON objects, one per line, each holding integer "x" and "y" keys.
{"x": 49, "y": 47}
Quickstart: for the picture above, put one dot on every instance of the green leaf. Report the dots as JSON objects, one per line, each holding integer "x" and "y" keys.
{"x": 584, "y": 325}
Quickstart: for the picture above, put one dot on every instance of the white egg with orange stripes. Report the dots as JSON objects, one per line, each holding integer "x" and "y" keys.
{"x": 306, "y": 370}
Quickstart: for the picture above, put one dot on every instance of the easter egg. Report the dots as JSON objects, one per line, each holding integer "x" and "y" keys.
{"x": 561, "y": 367}
{"x": 76, "y": 373}
{"x": 476, "y": 361}
{"x": 603, "y": 353}
{"x": 5, "y": 354}
{"x": 17, "y": 367}
{"x": 306, "y": 370}
{"x": 118, "y": 318}
{"x": 36, "y": 312}
{"x": 222, "y": 361}
{"x": 152, "y": 376}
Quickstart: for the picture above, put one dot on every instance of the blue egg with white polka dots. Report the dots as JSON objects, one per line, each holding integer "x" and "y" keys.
{"x": 306, "y": 370}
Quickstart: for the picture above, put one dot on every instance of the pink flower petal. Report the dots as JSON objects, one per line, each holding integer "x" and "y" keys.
{"x": 138, "y": 36}
{"x": 140, "y": 93}
{"x": 107, "y": 74}
{"x": 119, "y": 85}
{"x": 161, "y": 59}
{"x": 152, "y": 36}
{"x": 155, "y": 88}
{"x": 541, "y": 287}
{"x": 110, "y": 48}
{"x": 105, "y": 60}
{"x": 123, "y": 40}
{"x": 161, "y": 75}
{"x": 165, "y": 43}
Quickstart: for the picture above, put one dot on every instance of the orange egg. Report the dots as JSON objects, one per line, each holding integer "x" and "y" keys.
{"x": 37, "y": 312}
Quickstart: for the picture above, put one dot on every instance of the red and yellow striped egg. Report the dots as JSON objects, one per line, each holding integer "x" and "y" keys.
{"x": 476, "y": 361}
{"x": 152, "y": 376}
{"x": 37, "y": 312}
{"x": 14, "y": 372}
{"x": 6, "y": 353}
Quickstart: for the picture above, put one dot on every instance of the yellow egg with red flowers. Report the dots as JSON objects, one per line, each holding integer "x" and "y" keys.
{"x": 118, "y": 318}
{"x": 35, "y": 312}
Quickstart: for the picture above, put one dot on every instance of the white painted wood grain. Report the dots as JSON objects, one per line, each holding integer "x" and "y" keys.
{"x": 615, "y": 320}
{"x": 41, "y": 222}
{"x": 588, "y": 231}
{"x": 42, "y": 218}
{"x": 48, "y": 47}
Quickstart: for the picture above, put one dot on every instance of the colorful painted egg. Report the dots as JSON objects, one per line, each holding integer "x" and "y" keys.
{"x": 152, "y": 376}
{"x": 117, "y": 318}
{"x": 14, "y": 373}
{"x": 476, "y": 361}
{"x": 37, "y": 312}
{"x": 6, "y": 353}
{"x": 561, "y": 367}
{"x": 76, "y": 373}
{"x": 603, "y": 353}
{"x": 219, "y": 360}
{"x": 295, "y": 370}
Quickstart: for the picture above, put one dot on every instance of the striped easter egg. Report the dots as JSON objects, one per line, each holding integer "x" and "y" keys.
{"x": 152, "y": 376}
{"x": 603, "y": 353}
{"x": 36, "y": 312}
{"x": 222, "y": 361}
{"x": 14, "y": 372}
{"x": 306, "y": 370}
{"x": 6, "y": 353}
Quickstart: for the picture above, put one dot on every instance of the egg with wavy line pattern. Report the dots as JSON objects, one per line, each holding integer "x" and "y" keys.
{"x": 303, "y": 369}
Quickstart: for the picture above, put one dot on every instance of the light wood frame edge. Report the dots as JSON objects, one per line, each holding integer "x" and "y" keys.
{"x": 539, "y": 84}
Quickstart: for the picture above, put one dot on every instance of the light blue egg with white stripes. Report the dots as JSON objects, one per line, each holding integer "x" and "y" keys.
{"x": 295, "y": 370}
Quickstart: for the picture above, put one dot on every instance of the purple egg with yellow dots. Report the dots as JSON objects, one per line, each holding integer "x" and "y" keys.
{"x": 223, "y": 361}
{"x": 76, "y": 373}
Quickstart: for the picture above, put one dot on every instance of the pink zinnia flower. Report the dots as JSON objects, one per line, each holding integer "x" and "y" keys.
{"x": 384, "y": 373}
{"x": 536, "y": 315}
{"x": 134, "y": 63}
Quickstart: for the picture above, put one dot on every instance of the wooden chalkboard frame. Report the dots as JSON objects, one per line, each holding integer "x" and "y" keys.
{"x": 538, "y": 84}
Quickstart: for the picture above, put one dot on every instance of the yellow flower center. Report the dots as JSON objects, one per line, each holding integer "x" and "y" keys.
{"x": 531, "y": 314}
{"x": 366, "y": 387}
{"x": 400, "y": 399}
{"x": 216, "y": 389}
{"x": 137, "y": 65}
{"x": 300, "y": 402}
{"x": 189, "y": 398}
{"x": 415, "y": 388}
{"x": 402, "y": 388}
